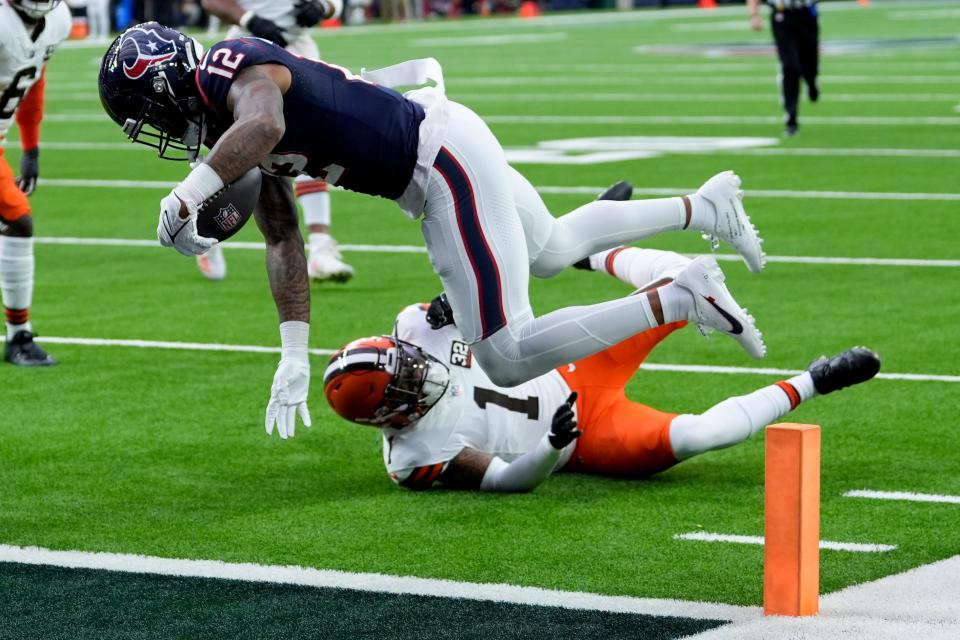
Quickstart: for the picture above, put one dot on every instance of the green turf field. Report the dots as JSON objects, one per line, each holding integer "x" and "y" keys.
{"x": 162, "y": 452}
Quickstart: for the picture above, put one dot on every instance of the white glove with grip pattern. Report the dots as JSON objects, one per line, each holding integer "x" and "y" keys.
{"x": 181, "y": 233}
{"x": 291, "y": 383}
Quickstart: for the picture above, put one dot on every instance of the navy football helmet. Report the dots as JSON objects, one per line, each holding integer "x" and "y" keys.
{"x": 147, "y": 80}
{"x": 35, "y": 9}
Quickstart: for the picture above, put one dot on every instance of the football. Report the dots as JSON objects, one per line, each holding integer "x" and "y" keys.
{"x": 225, "y": 213}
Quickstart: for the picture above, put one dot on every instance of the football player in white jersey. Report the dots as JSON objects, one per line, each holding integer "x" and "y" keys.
{"x": 286, "y": 22}
{"x": 30, "y": 31}
{"x": 444, "y": 420}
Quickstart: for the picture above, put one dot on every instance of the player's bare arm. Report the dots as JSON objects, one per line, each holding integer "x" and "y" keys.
{"x": 256, "y": 100}
{"x": 227, "y": 10}
{"x": 466, "y": 470}
{"x": 276, "y": 216}
{"x": 753, "y": 6}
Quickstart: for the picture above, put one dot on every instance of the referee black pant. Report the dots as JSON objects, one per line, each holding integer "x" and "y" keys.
{"x": 797, "y": 34}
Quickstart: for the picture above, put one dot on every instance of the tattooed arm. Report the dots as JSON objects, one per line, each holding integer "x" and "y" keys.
{"x": 256, "y": 99}
{"x": 276, "y": 215}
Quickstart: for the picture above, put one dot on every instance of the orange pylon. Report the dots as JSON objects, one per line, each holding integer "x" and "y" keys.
{"x": 707, "y": 4}
{"x": 863, "y": 3}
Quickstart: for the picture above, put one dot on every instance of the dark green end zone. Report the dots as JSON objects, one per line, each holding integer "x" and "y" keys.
{"x": 52, "y": 602}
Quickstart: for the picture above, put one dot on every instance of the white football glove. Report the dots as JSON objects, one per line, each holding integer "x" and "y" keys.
{"x": 179, "y": 233}
{"x": 288, "y": 397}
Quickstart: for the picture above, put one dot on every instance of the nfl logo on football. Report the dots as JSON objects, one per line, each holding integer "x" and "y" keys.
{"x": 228, "y": 217}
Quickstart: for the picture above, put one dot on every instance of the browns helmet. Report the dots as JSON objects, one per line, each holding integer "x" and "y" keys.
{"x": 384, "y": 381}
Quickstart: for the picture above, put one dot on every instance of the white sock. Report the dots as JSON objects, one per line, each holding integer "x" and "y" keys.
{"x": 737, "y": 419}
{"x": 605, "y": 224}
{"x": 638, "y": 267}
{"x": 522, "y": 351}
{"x": 677, "y": 302}
{"x": 314, "y": 200}
{"x": 703, "y": 214}
{"x": 16, "y": 281}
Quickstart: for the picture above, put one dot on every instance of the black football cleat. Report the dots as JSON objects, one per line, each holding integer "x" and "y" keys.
{"x": 21, "y": 350}
{"x": 623, "y": 190}
{"x": 813, "y": 90}
{"x": 851, "y": 367}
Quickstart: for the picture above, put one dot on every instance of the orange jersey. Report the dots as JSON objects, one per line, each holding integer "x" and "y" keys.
{"x": 620, "y": 437}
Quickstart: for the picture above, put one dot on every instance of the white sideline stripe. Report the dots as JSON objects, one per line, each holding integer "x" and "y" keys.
{"x": 902, "y": 495}
{"x": 626, "y": 97}
{"x": 622, "y": 80}
{"x": 647, "y": 191}
{"x": 495, "y": 40}
{"x": 647, "y": 366}
{"x": 766, "y": 193}
{"x": 374, "y": 582}
{"x": 700, "y": 368}
{"x": 407, "y": 248}
{"x": 772, "y": 151}
{"x": 938, "y": 121}
{"x": 856, "y": 547}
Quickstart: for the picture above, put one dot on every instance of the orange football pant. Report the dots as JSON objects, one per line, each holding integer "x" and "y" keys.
{"x": 620, "y": 437}
{"x": 13, "y": 204}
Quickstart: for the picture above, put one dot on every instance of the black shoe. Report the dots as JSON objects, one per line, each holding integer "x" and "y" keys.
{"x": 791, "y": 130}
{"x": 814, "y": 92}
{"x": 23, "y": 351}
{"x": 623, "y": 190}
{"x": 851, "y": 367}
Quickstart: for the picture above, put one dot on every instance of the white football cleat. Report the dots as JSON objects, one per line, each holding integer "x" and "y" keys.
{"x": 730, "y": 221}
{"x": 212, "y": 264}
{"x": 326, "y": 264}
{"x": 715, "y": 308}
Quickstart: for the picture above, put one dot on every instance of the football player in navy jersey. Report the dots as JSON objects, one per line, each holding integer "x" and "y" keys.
{"x": 485, "y": 227}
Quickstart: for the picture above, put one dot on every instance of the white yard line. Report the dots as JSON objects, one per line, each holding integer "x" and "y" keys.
{"x": 245, "y": 348}
{"x": 870, "y": 121}
{"x": 724, "y": 80}
{"x": 374, "y": 582}
{"x": 855, "y": 547}
{"x": 646, "y": 191}
{"x": 902, "y": 495}
{"x": 491, "y": 40}
{"x": 409, "y": 248}
{"x": 641, "y": 98}
{"x": 770, "y": 151}
{"x": 765, "y": 193}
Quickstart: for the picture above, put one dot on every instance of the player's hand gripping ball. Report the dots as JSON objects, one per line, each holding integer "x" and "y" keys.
{"x": 225, "y": 213}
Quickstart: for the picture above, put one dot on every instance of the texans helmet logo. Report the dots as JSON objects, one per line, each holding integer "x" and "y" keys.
{"x": 158, "y": 50}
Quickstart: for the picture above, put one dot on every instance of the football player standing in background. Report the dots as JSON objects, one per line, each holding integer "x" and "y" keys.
{"x": 30, "y": 30}
{"x": 796, "y": 31}
{"x": 285, "y": 22}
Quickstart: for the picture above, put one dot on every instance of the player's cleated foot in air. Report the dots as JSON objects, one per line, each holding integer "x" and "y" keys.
{"x": 621, "y": 191}
{"x": 212, "y": 264}
{"x": 730, "y": 221}
{"x": 21, "y": 350}
{"x": 791, "y": 130}
{"x": 851, "y": 367}
{"x": 714, "y": 306}
{"x": 813, "y": 90}
{"x": 325, "y": 264}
